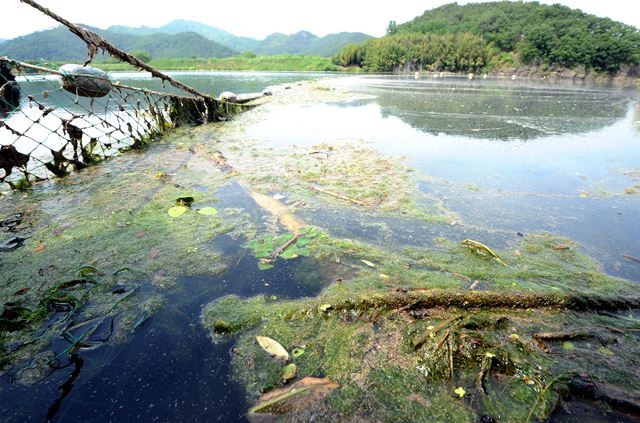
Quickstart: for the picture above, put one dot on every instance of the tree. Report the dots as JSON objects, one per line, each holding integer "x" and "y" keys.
{"x": 143, "y": 55}
{"x": 392, "y": 28}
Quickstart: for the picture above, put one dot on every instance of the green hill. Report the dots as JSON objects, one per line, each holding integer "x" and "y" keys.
{"x": 302, "y": 42}
{"x": 332, "y": 43}
{"x": 277, "y": 43}
{"x": 481, "y": 35}
{"x": 59, "y": 44}
{"x": 239, "y": 44}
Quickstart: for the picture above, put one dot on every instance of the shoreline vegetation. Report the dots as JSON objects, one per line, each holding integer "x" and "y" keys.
{"x": 521, "y": 40}
{"x": 301, "y": 63}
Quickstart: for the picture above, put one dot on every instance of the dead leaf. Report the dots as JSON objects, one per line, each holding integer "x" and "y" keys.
{"x": 272, "y": 402}
{"x": 40, "y": 248}
{"x": 480, "y": 248}
{"x": 154, "y": 253}
{"x": 368, "y": 263}
{"x": 273, "y": 347}
{"x": 21, "y": 291}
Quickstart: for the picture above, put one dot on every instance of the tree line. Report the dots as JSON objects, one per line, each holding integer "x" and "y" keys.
{"x": 489, "y": 35}
{"x": 448, "y": 52}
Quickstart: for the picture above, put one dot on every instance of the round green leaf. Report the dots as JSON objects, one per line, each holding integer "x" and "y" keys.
{"x": 177, "y": 211}
{"x": 207, "y": 211}
{"x": 289, "y": 371}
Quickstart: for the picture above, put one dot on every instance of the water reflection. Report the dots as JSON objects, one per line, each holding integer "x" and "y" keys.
{"x": 497, "y": 110}
{"x": 213, "y": 83}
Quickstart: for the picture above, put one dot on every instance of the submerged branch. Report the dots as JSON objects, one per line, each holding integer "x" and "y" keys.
{"x": 432, "y": 298}
{"x": 286, "y": 245}
{"x": 340, "y": 196}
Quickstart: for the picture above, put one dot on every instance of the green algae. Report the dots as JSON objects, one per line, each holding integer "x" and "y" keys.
{"x": 370, "y": 354}
{"x": 345, "y": 175}
{"x": 106, "y": 233}
{"x": 287, "y": 246}
{"x": 399, "y": 357}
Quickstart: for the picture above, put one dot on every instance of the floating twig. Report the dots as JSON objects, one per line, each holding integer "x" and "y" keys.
{"x": 340, "y": 196}
{"x": 631, "y": 258}
{"x": 284, "y": 246}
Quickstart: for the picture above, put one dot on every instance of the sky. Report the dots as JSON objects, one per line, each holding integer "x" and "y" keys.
{"x": 259, "y": 18}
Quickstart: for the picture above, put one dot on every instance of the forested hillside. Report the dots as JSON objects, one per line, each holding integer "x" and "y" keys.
{"x": 498, "y": 34}
{"x": 302, "y": 42}
{"x": 60, "y": 44}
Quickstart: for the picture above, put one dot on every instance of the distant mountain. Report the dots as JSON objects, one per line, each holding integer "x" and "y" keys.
{"x": 2, "y": 40}
{"x": 302, "y": 42}
{"x": 277, "y": 43}
{"x": 332, "y": 43}
{"x": 60, "y": 44}
{"x": 218, "y": 35}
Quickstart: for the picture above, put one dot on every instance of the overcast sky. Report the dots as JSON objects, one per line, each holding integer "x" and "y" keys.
{"x": 259, "y": 18}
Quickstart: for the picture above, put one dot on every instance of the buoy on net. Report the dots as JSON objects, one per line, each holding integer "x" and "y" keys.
{"x": 85, "y": 81}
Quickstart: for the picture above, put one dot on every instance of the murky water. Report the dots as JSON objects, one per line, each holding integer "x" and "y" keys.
{"x": 508, "y": 157}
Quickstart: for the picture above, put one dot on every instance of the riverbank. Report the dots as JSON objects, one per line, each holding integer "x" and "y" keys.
{"x": 292, "y": 63}
{"x": 281, "y": 62}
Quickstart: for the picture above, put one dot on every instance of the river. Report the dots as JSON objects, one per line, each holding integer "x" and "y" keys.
{"x": 504, "y": 158}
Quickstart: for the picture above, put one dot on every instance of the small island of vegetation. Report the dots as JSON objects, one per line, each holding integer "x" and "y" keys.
{"x": 498, "y": 36}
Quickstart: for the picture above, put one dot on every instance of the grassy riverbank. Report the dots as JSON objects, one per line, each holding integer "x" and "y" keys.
{"x": 280, "y": 62}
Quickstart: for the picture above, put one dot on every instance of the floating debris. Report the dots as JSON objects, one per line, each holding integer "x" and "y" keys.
{"x": 177, "y": 211}
{"x": 297, "y": 396}
{"x": 289, "y": 371}
{"x": 208, "y": 211}
{"x": 273, "y": 347}
{"x": 482, "y": 249}
{"x": 85, "y": 81}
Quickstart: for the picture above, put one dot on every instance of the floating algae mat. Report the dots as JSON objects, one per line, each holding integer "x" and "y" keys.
{"x": 100, "y": 248}
{"x": 449, "y": 328}
{"x": 330, "y": 286}
{"x": 400, "y": 342}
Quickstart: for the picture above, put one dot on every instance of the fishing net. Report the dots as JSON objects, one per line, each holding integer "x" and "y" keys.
{"x": 50, "y": 127}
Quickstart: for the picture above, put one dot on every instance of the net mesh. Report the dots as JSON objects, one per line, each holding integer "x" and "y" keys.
{"x": 50, "y": 127}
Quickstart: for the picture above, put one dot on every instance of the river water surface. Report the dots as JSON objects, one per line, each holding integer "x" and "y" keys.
{"x": 509, "y": 157}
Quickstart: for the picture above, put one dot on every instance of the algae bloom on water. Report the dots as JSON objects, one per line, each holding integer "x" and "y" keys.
{"x": 416, "y": 347}
{"x": 340, "y": 283}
